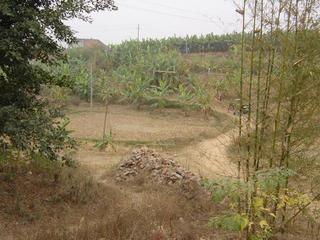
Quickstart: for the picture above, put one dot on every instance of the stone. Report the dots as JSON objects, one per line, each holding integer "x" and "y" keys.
{"x": 157, "y": 169}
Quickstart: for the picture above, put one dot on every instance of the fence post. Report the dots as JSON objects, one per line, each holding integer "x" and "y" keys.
{"x": 91, "y": 87}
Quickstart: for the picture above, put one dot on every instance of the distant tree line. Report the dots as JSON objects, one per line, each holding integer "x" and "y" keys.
{"x": 189, "y": 44}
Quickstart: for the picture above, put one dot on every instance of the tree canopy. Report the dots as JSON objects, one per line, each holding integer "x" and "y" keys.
{"x": 32, "y": 31}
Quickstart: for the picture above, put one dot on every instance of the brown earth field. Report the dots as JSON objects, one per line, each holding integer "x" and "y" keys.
{"x": 42, "y": 201}
{"x": 87, "y": 202}
{"x": 198, "y": 143}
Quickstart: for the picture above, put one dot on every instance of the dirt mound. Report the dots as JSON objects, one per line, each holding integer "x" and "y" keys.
{"x": 158, "y": 169}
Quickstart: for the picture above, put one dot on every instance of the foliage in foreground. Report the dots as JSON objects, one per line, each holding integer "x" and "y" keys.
{"x": 30, "y": 32}
{"x": 264, "y": 194}
{"x": 280, "y": 86}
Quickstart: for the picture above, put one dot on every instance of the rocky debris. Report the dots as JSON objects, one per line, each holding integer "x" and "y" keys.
{"x": 158, "y": 169}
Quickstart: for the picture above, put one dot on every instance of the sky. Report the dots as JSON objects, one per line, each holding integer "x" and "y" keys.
{"x": 158, "y": 19}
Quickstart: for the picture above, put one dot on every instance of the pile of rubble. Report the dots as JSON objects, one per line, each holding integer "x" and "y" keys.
{"x": 148, "y": 163}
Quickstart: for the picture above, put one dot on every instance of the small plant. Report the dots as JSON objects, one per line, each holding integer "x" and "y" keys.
{"x": 135, "y": 91}
{"x": 230, "y": 222}
{"x": 203, "y": 100}
{"x": 105, "y": 142}
{"x": 184, "y": 94}
{"x": 265, "y": 188}
{"x": 162, "y": 90}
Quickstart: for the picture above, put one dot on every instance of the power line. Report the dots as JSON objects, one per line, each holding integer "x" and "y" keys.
{"x": 119, "y": 29}
{"x": 203, "y": 15}
{"x": 171, "y": 7}
{"x": 206, "y": 18}
{"x": 165, "y": 13}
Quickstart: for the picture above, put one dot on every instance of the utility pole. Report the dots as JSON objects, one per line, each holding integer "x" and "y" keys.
{"x": 138, "y": 32}
{"x": 91, "y": 79}
{"x": 186, "y": 46}
{"x": 91, "y": 86}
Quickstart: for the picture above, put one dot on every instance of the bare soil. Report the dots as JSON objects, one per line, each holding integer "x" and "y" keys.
{"x": 199, "y": 144}
{"x": 81, "y": 205}
{"x": 90, "y": 205}
{"x": 129, "y": 124}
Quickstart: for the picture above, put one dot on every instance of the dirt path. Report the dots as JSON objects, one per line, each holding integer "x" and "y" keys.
{"x": 210, "y": 158}
{"x": 199, "y": 144}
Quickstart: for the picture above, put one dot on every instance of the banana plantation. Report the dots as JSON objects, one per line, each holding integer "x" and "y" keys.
{"x": 151, "y": 72}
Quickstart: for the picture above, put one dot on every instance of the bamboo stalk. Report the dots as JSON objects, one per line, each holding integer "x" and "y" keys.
{"x": 280, "y": 90}
{"x": 270, "y": 68}
{"x": 276, "y": 123}
{"x": 253, "y": 40}
{"x": 257, "y": 117}
{"x": 249, "y": 195}
{"x": 241, "y": 96}
{"x": 269, "y": 80}
{"x": 291, "y": 116}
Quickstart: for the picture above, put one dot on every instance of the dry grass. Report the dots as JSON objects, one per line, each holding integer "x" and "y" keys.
{"x": 74, "y": 206}
{"x": 142, "y": 216}
{"x": 55, "y": 203}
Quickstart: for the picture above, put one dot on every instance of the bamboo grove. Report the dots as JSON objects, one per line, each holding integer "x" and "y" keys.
{"x": 279, "y": 136}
